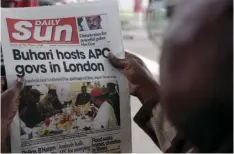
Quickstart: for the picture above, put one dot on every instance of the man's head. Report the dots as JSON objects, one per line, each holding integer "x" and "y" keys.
{"x": 111, "y": 87}
{"x": 52, "y": 94}
{"x": 33, "y": 96}
{"x": 94, "y": 22}
{"x": 79, "y": 21}
{"x": 97, "y": 96}
{"x": 84, "y": 89}
{"x": 27, "y": 88}
{"x": 196, "y": 66}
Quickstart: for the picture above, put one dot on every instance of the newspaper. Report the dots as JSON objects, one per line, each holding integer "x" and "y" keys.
{"x": 74, "y": 100}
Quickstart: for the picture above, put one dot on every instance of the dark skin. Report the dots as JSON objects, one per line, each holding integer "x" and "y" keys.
{"x": 135, "y": 70}
{"x": 195, "y": 73}
{"x": 94, "y": 22}
{"x": 54, "y": 111}
{"x": 84, "y": 90}
{"x": 8, "y": 100}
{"x": 33, "y": 99}
{"x": 201, "y": 51}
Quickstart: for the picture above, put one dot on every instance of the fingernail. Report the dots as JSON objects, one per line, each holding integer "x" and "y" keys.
{"x": 21, "y": 83}
{"x": 111, "y": 55}
{"x": 21, "y": 80}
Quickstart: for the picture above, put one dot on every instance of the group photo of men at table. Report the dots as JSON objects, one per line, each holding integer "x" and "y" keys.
{"x": 50, "y": 109}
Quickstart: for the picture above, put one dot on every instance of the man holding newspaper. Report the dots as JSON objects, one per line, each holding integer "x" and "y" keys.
{"x": 195, "y": 113}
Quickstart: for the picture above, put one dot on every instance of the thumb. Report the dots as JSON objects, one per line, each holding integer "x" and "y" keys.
{"x": 10, "y": 94}
{"x": 19, "y": 84}
{"x": 116, "y": 62}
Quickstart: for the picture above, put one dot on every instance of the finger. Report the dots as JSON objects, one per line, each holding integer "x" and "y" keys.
{"x": 9, "y": 99}
{"x": 10, "y": 95}
{"x": 128, "y": 54}
{"x": 19, "y": 83}
{"x": 132, "y": 56}
{"x": 116, "y": 62}
{"x": 137, "y": 65}
{"x": 131, "y": 89}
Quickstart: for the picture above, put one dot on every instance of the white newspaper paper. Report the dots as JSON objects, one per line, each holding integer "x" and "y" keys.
{"x": 74, "y": 100}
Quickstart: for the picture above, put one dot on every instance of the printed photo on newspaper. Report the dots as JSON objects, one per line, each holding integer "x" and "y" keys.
{"x": 73, "y": 100}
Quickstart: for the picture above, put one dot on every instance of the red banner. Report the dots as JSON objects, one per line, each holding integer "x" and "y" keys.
{"x": 21, "y": 3}
{"x": 50, "y": 31}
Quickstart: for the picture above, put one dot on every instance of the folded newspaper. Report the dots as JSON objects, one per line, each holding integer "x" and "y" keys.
{"x": 74, "y": 100}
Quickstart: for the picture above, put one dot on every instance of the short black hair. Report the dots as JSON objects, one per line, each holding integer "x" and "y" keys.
{"x": 83, "y": 87}
{"x": 35, "y": 92}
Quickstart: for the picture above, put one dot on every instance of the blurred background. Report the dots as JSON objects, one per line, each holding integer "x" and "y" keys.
{"x": 143, "y": 23}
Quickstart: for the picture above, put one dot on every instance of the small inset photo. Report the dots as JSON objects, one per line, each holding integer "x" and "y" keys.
{"x": 94, "y": 22}
{"x": 53, "y": 109}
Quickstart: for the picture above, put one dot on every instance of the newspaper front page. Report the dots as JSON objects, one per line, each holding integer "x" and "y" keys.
{"x": 74, "y": 100}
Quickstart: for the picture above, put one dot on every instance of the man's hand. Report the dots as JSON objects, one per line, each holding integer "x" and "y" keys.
{"x": 9, "y": 106}
{"x": 142, "y": 83}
